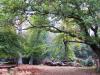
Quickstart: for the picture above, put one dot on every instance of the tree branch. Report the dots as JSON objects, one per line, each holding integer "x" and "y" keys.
{"x": 53, "y": 29}
{"x": 79, "y": 42}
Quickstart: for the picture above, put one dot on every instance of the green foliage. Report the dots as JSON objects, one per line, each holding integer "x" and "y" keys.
{"x": 13, "y": 6}
{"x": 39, "y": 20}
{"x": 9, "y": 43}
{"x": 35, "y": 44}
{"x": 70, "y": 53}
{"x": 82, "y": 51}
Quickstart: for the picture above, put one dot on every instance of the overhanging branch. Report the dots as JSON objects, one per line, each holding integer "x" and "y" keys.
{"x": 52, "y": 29}
{"x": 88, "y": 43}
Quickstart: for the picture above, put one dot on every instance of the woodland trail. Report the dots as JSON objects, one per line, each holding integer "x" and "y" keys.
{"x": 49, "y": 70}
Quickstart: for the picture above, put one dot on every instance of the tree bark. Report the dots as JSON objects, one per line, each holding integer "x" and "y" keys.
{"x": 20, "y": 58}
{"x": 65, "y": 52}
{"x": 96, "y": 49}
{"x": 97, "y": 61}
{"x": 31, "y": 60}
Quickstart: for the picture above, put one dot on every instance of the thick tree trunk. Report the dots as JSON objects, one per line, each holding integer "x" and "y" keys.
{"x": 31, "y": 60}
{"x": 20, "y": 58}
{"x": 97, "y": 65}
{"x": 96, "y": 49}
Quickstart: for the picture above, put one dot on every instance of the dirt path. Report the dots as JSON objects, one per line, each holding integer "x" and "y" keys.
{"x": 47, "y": 70}
{"x": 51, "y": 70}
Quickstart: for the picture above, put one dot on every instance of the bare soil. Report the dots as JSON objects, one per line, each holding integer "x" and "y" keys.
{"x": 48, "y": 70}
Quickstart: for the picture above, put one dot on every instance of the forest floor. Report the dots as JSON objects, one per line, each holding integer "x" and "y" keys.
{"x": 48, "y": 70}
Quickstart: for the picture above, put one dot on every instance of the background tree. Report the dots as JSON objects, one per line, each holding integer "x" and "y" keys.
{"x": 9, "y": 43}
{"x": 63, "y": 50}
{"x": 36, "y": 40}
{"x": 35, "y": 45}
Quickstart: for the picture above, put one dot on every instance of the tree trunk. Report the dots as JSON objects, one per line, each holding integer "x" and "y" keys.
{"x": 96, "y": 49}
{"x": 31, "y": 60}
{"x": 97, "y": 65}
{"x": 20, "y": 58}
{"x": 65, "y": 52}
